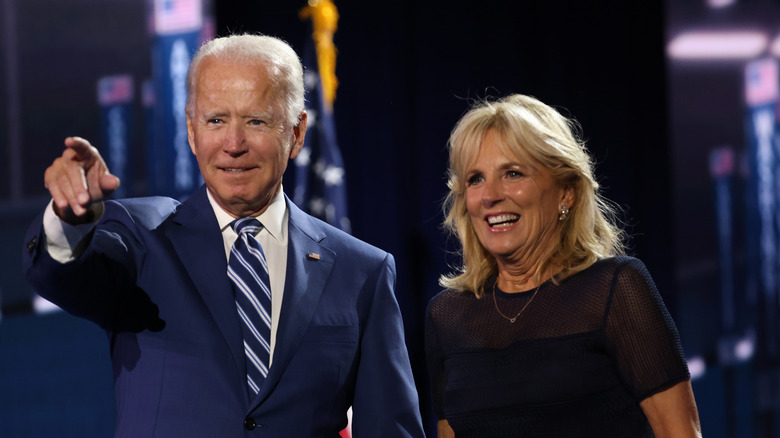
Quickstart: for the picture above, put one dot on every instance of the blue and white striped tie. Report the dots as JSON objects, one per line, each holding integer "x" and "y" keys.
{"x": 248, "y": 270}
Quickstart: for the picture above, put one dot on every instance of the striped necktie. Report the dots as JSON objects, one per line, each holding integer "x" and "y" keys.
{"x": 248, "y": 271}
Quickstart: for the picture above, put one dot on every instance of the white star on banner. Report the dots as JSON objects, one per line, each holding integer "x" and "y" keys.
{"x": 311, "y": 79}
{"x": 319, "y": 167}
{"x": 317, "y": 206}
{"x": 304, "y": 157}
{"x": 311, "y": 118}
{"x": 330, "y": 212}
{"x": 333, "y": 175}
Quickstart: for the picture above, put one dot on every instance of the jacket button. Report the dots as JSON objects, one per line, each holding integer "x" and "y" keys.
{"x": 31, "y": 244}
{"x": 249, "y": 423}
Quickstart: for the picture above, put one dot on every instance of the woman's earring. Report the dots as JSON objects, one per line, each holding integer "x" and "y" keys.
{"x": 564, "y": 212}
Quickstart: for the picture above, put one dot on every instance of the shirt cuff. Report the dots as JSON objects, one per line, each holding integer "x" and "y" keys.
{"x": 62, "y": 238}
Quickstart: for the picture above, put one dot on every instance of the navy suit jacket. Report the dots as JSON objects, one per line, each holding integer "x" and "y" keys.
{"x": 153, "y": 275}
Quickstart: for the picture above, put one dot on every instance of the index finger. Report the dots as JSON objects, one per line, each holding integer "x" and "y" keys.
{"x": 81, "y": 146}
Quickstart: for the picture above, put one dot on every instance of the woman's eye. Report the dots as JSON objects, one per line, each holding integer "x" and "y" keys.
{"x": 514, "y": 174}
{"x": 474, "y": 179}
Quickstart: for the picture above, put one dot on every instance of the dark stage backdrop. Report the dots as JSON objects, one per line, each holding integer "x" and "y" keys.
{"x": 407, "y": 71}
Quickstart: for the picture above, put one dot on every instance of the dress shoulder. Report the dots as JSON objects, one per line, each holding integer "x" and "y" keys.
{"x": 447, "y": 300}
{"x": 642, "y": 332}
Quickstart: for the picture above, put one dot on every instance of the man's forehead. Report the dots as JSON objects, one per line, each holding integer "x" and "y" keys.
{"x": 212, "y": 65}
{"x": 220, "y": 78}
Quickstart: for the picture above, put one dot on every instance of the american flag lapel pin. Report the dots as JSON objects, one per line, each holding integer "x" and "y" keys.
{"x": 313, "y": 256}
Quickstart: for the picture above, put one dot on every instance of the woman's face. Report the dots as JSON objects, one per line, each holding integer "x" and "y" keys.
{"x": 513, "y": 203}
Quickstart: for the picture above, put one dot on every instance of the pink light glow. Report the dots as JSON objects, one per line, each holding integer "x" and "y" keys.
{"x": 717, "y": 45}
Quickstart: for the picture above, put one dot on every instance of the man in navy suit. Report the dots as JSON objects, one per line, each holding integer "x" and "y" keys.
{"x": 153, "y": 273}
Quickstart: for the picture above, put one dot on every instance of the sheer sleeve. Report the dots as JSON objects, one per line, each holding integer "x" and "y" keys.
{"x": 641, "y": 330}
{"x": 435, "y": 358}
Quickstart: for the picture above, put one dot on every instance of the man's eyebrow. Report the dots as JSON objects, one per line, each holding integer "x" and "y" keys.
{"x": 259, "y": 115}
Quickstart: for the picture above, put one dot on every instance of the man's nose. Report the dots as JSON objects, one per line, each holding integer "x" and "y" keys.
{"x": 235, "y": 142}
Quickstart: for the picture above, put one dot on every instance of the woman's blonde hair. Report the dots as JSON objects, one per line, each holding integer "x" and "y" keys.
{"x": 526, "y": 127}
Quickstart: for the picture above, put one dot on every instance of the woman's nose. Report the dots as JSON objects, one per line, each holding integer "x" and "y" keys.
{"x": 491, "y": 193}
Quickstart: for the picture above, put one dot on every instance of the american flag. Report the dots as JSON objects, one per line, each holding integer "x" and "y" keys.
{"x": 177, "y": 16}
{"x": 319, "y": 188}
{"x": 113, "y": 90}
{"x": 761, "y": 86}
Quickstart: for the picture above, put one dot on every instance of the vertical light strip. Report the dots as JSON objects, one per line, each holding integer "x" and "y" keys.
{"x": 774, "y": 47}
{"x": 13, "y": 106}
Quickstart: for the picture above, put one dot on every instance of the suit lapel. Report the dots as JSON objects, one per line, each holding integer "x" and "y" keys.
{"x": 195, "y": 235}
{"x": 305, "y": 281}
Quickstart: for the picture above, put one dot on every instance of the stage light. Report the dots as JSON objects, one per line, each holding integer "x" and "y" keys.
{"x": 697, "y": 366}
{"x": 718, "y": 4}
{"x": 722, "y": 45}
{"x": 744, "y": 349}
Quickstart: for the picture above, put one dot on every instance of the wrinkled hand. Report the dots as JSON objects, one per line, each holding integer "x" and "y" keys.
{"x": 78, "y": 179}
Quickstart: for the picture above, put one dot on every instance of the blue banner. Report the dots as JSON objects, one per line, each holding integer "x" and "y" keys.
{"x": 155, "y": 161}
{"x": 115, "y": 95}
{"x": 722, "y": 164}
{"x": 761, "y": 93}
{"x": 171, "y": 166}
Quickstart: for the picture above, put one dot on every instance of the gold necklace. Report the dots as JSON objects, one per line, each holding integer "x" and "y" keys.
{"x": 512, "y": 320}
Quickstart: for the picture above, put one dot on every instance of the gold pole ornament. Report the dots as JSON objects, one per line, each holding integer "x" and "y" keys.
{"x": 324, "y": 17}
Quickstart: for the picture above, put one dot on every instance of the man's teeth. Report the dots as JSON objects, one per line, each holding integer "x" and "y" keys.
{"x": 233, "y": 170}
{"x": 502, "y": 219}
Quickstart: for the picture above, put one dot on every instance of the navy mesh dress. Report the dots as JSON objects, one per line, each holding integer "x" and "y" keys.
{"x": 575, "y": 363}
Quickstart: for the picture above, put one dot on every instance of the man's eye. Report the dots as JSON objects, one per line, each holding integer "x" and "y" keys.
{"x": 256, "y": 122}
{"x": 214, "y": 121}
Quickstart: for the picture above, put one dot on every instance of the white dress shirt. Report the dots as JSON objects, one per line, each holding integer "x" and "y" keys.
{"x": 62, "y": 238}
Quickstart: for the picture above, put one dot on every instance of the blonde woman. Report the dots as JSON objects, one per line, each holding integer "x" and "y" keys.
{"x": 547, "y": 329}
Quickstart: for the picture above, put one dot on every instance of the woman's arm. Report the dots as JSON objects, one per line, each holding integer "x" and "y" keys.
{"x": 444, "y": 430}
{"x": 672, "y": 412}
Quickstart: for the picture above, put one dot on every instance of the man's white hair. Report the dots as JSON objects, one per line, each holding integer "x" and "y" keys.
{"x": 283, "y": 65}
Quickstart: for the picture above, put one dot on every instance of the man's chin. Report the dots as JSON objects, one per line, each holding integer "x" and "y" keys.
{"x": 241, "y": 203}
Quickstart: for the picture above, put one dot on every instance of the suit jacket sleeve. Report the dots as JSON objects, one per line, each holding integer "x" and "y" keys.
{"x": 99, "y": 285}
{"x": 385, "y": 403}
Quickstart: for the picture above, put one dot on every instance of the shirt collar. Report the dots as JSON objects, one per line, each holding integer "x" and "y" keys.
{"x": 272, "y": 218}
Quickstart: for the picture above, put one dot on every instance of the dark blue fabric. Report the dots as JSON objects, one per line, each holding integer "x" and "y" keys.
{"x": 153, "y": 275}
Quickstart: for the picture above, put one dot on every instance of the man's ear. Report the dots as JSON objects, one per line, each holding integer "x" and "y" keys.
{"x": 191, "y": 134}
{"x": 299, "y": 133}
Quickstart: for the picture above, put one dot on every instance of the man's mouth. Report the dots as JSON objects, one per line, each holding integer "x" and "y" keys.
{"x": 502, "y": 220}
{"x": 234, "y": 169}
